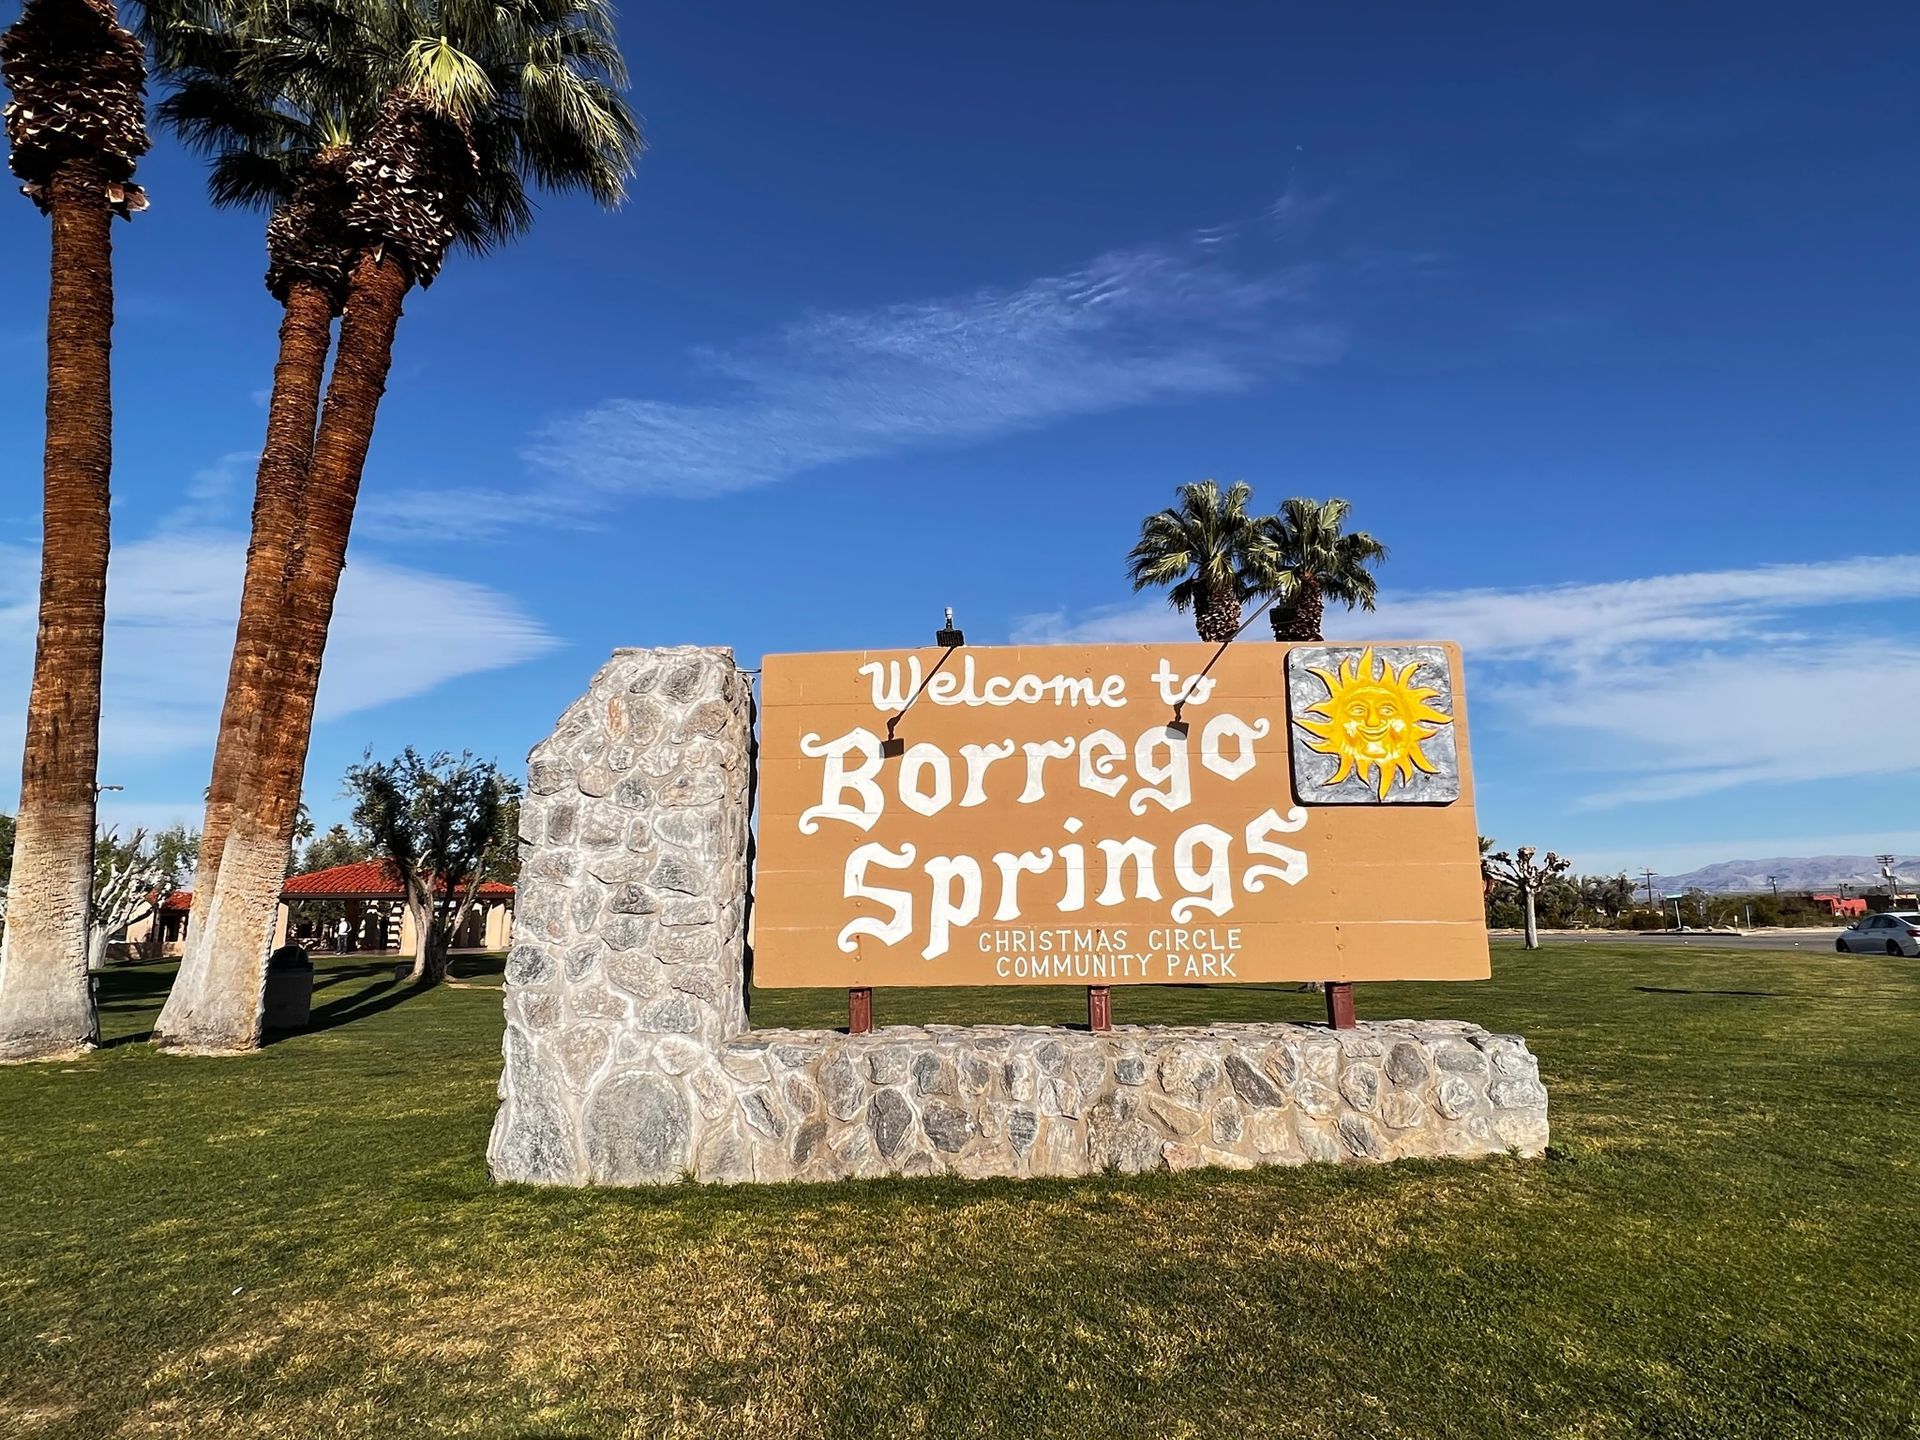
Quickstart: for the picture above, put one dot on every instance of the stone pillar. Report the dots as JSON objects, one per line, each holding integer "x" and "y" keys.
{"x": 499, "y": 918}
{"x": 625, "y": 976}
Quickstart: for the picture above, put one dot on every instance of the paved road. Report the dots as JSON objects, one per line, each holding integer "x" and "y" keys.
{"x": 1767, "y": 940}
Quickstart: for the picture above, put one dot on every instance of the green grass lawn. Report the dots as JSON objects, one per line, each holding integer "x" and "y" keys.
{"x": 1724, "y": 1242}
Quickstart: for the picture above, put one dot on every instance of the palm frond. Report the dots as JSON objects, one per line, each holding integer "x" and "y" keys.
{"x": 1312, "y": 551}
{"x": 211, "y": 114}
{"x": 251, "y": 180}
{"x": 534, "y": 87}
{"x": 450, "y": 79}
{"x": 1205, "y": 544}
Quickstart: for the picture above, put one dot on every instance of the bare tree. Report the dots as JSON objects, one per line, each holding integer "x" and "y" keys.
{"x": 1524, "y": 875}
{"x": 125, "y": 877}
{"x": 132, "y": 880}
{"x": 6, "y": 865}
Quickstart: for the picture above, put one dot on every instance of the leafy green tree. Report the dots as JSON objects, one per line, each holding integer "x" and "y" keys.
{"x": 1317, "y": 559}
{"x": 1208, "y": 552}
{"x": 175, "y": 852}
{"x": 338, "y": 846}
{"x": 1558, "y": 903}
{"x": 453, "y": 113}
{"x": 503, "y": 861}
{"x": 76, "y": 126}
{"x": 441, "y": 819}
{"x": 1607, "y": 896}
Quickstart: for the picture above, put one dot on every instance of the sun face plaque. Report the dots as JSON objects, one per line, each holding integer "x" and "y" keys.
{"x": 1372, "y": 725}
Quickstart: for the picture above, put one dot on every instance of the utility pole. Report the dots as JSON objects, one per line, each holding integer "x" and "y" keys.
{"x": 1774, "y": 881}
{"x": 1648, "y": 874}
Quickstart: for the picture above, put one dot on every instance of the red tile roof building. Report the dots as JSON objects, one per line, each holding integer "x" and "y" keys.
{"x": 371, "y": 892}
{"x": 362, "y": 880}
{"x": 369, "y": 880}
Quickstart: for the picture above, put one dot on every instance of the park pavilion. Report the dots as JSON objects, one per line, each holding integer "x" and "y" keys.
{"x": 367, "y": 894}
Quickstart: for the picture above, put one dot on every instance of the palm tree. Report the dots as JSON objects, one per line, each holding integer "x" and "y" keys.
{"x": 1317, "y": 560}
{"x": 466, "y": 106}
{"x": 271, "y": 152}
{"x": 76, "y": 126}
{"x": 1208, "y": 550}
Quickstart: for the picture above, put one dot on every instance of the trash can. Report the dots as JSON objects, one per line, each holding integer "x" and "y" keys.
{"x": 289, "y": 1001}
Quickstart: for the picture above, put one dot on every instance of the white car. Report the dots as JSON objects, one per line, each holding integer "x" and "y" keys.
{"x": 1894, "y": 933}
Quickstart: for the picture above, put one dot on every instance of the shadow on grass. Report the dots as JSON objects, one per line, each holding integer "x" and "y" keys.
{"x": 131, "y": 989}
{"x": 341, "y": 974}
{"x": 1676, "y": 990}
{"x": 360, "y": 1005}
{"x": 477, "y": 965}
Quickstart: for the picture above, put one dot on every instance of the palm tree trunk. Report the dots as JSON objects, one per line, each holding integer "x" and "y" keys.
{"x": 46, "y": 1002}
{"x": 1300, "y": 617}
{"x": 1217, "y": 617}
{"x": 221, "y": 1013}
{"x": 306, "y": 334}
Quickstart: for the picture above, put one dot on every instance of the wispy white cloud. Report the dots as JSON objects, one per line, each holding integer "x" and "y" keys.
{"x": 212, "y": 495}
{"x": 1127, "y": 623}
{"x": 1693, "y": 721}
{"x": 1680, "y": 685}
{"x": 172, "y": 601}
{"x": 1216, "y": 311}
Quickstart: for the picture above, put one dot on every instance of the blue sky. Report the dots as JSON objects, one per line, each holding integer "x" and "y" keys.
{"x": 1606, "y": 321}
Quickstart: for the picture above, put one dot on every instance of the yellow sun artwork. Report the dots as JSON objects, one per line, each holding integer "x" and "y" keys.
{"x": 1375, "y": 720}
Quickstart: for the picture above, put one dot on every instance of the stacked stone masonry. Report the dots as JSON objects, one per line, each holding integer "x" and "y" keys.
{"x": 629, "y": 1060}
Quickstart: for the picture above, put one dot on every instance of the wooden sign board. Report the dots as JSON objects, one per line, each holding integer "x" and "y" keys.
{"x": 1116, "y": 814}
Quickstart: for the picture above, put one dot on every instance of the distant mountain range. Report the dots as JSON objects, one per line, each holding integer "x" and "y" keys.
{"x": 1792, "y": 872}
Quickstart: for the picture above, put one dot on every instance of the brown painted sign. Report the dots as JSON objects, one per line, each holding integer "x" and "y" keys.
{"x": 1116, "y": 814}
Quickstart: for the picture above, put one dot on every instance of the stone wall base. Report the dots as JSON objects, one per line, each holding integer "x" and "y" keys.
{"x": 1019, "y": 1101}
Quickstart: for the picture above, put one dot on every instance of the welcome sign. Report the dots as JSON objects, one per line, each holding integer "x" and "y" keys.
{"x": 1118, "y": 814}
